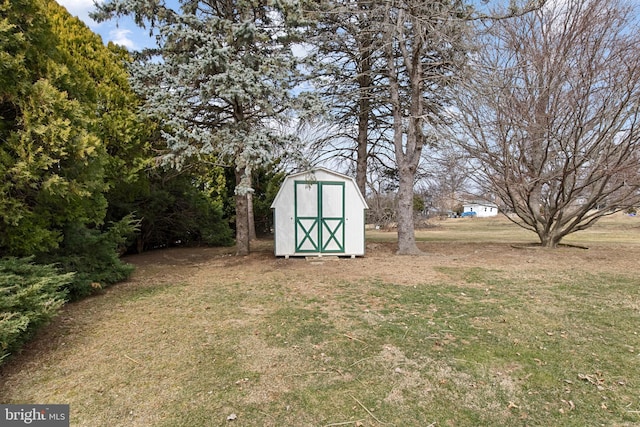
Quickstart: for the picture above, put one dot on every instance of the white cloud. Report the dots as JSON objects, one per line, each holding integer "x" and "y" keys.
{"x": 122, "y": 36}
{"x": 81, "y": 9}
{"x": 122, "y": 31}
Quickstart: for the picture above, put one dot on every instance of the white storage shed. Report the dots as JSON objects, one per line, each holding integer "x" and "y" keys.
{"x": 319, "y": 212}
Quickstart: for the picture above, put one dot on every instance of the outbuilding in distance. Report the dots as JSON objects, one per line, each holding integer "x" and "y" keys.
{"x": 319, "y": 212}
{"x": 480, "y": 208}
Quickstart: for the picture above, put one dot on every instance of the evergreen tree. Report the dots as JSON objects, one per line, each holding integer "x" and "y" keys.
{"x": 98, "y": 78}
{"x": 344, "y": 66}
{"x": 51, "y": 163}
{"x": 220, "y": 75}
{"x": 68, "y": 132}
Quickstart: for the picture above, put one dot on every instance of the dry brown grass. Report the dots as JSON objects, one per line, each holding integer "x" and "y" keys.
{"x": 454, "y": 337}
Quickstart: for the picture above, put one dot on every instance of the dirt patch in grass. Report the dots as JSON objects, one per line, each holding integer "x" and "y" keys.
{"x": 471, "y": 333}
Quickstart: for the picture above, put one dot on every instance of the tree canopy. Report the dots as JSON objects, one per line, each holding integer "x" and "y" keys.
{"x": 552, "y": 114}
{"x": 220, "y": 76}
{"x": 223, "y": 75}
{"x": 51, "y": 159}
{"x": 386, "y": 70}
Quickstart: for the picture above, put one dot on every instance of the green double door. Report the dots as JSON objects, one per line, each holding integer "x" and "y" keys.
{"x": 319, "y": 217}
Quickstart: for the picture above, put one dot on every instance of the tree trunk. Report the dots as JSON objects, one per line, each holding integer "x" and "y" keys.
{"x": 404, "y": 213}
{"x": 242, "y": 225}
{"x": 407, "y": 142}
{"x": 550, "y": 240}
{"x": 550, "y": 235}
{"x": 250, "y": 217}
{"x": 361, "y": 160}
{"x": 365, "y": 83}
{"x": 242, "y": 219}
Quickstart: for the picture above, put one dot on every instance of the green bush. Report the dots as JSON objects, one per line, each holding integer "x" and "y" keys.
{"x": 266, "y": 184}
{"x": 30, "y": 296}
{"x": 175, "y": 212}
{"x": 93, "y": 255}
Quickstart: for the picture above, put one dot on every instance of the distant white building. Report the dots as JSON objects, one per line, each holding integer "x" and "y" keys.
{"x": 480, "y": 208}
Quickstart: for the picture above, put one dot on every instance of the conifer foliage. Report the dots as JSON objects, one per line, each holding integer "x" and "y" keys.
{"x": 67, "y": 121}
{"x": 31, "y": 296}
{"x": 220, "y": 75}
{"x": 56, "y": 102}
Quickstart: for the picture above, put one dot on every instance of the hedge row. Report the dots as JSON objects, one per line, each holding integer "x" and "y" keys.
{"x": 30, "y": 296}
{"x": 32, "y": 290}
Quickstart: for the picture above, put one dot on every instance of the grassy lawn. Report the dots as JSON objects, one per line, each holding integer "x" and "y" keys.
{"x": 469, "y": 335}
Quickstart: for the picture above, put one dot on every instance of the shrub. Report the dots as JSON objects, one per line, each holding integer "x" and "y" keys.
{"x": 30, "y": 296}
{"x": 177, "y": 212}
{"x": 266, "y": 184}
{"x": 93, "y": 255}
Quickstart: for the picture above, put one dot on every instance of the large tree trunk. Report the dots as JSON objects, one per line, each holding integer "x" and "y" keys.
{"x": 407, "y": 141}
{"x": 361, "y": 160}
{"x": 242, "y": 219}
{"x": 404, "y": 213}
{"x": 365, "y": 83}
{"x": 250, "y": 217}
{"x": 407, "y": 164}
{"x": 550, "y": 239}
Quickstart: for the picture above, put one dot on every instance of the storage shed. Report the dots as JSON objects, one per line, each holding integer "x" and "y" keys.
{"x": 319, "y": 212}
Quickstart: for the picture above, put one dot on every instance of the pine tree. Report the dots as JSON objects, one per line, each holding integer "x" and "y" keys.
{"x": 220, "y": 76}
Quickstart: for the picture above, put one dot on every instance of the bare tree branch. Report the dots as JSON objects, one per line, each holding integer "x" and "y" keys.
{"x": 552, "y": 114}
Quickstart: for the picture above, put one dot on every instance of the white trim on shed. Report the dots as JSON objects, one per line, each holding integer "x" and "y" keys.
{"x": 319, "y": 212}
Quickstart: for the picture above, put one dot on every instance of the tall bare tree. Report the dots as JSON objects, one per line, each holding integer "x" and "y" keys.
{"x": 553, "y": 114}
{"x": 424, "y": 53}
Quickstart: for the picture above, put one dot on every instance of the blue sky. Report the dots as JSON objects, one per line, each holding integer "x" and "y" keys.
{"x": 122, "y": 31}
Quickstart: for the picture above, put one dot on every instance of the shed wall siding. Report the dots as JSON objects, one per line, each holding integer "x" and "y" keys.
{"x": 285, "y": 216}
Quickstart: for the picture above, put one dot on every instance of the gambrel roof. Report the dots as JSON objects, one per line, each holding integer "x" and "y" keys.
{"x": 311, "y": 175}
